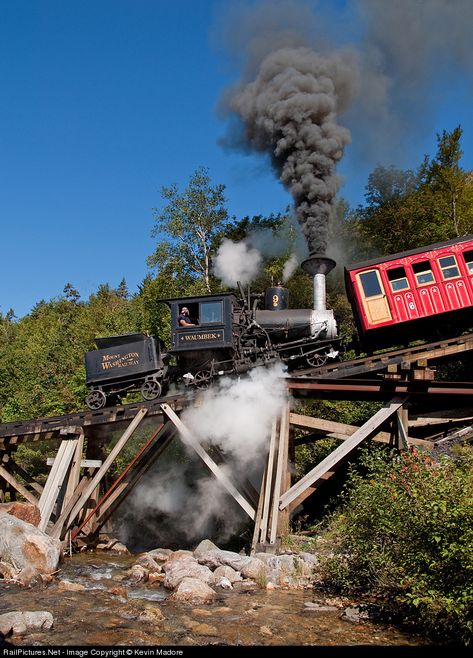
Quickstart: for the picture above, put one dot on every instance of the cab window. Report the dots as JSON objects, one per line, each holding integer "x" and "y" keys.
{"x": 211, "y": 312}
{"x": 423, "y": 273}
{"x": 468, "y": 256}
{"x": 398, "y": 279}
{"x": 449, "y": 267}
{"x": 370, "y": 283}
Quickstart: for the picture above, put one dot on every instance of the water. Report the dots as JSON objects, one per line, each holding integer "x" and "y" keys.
{"x": 113, "y": 611}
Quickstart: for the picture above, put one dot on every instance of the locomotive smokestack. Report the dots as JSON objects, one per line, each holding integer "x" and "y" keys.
{"x": 318, "y": 266}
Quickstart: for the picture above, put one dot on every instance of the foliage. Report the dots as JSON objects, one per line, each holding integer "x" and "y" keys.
{"x": 186, "y": 228}
{"x": 406, "y": 209}
{"x": 405, "y": 535}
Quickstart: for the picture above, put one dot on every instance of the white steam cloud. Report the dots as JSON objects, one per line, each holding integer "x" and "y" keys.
{"x": 182, "y": 501}
{"x": 236, "y": 261}
{"x": 242, "y": 261}
{"x": 237, "y": 415}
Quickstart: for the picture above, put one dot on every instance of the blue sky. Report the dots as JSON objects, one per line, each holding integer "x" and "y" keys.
{"x": 106, "y": 101}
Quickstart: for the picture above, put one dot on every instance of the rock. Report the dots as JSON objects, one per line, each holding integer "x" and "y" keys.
{"x": 216, "y": 558}
{"x": 160, "y": 554}
{"x": 114, "y": 546}
{"x": 24, "y": 511}
{"x": 67, "y": 585}
{"x": 8, "y": 571}
{"x": 192, "y": 590}
{"x": 355, "y": 615}
{"x": 151, "y": 614}
{"x": 310, "y": 606}
{"x": 222, "y": 582}
{"x": 254, "y": 568}
{"x": 204, "y": 547}
{"x": 226, "y": 572}
{"x": 21, "y": 622}
{"x": 138, "y": 573}
{"x": 147, "y": 561}
{"x": 23, "y": 545}
{"x": 204, "y": 629}
{"x": 186, "y": 567}
{"x": 179, "y": 555}
{"x": 200, "y": 612}
{"x": 28, "y": 576}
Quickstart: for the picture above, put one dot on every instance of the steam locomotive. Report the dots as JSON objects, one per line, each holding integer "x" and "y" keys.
{"x": 406, "y": 296}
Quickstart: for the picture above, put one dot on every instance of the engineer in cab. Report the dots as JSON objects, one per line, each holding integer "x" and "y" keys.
{"x": 184, "y": 319}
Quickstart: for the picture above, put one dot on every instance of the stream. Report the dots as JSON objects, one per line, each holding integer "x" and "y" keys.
{"x": 111, "y": 610}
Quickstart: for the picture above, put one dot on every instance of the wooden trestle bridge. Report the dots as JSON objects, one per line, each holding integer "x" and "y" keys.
{"x": 77, "y": 499}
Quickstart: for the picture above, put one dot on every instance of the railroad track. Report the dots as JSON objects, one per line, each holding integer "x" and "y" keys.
{"x": 313, "y": 381}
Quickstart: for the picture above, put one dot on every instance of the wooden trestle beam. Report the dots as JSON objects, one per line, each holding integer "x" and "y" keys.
{"x": 364, "y": 432}
{"x": 278, "y": 499}
{"x": 188, "y": 438}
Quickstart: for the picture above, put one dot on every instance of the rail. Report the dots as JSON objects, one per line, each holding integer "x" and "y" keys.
{"x": 310, "y": 380}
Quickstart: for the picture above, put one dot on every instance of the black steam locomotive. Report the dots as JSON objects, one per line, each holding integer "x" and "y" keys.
{"x": 230, "y": 335}
{"x": 407, "y": 296}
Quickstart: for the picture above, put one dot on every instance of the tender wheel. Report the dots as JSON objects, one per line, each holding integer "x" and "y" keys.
{"x": 96, "y": 400}
{"x": 151, "y": 390}
{"x": 317, "y": 359}
{"x": 202, "y": 379}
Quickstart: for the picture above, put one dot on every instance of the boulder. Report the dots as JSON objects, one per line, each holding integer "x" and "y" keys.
{"x": 22, "y": 622}
{"x": 186, "y": 567}
{"x": 204, "y": 547}
{"x": 193, "y": 590}
{"x": 24, "y": 545}
{"x": 226, "y": 572}
{"x": 24, "y": 511}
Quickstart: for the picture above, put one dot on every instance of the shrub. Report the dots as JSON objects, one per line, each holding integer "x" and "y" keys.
{"x": 405, "y": 535}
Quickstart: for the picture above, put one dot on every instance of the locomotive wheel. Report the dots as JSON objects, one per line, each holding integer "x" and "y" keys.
{"x": 202, "y": 379}
{"x": 151, "y": 390}
{"x": 96, "y": 400}
{"x": 317, "y": 359}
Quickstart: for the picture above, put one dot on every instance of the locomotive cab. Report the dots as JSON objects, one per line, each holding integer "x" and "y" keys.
{"x": 212, "y": 319}
{"x": 211, "y": 339}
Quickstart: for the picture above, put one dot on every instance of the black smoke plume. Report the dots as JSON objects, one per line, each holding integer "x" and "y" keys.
{"x": 290, "y": 112}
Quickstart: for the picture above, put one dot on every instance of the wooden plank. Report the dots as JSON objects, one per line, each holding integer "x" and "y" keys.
{"x": 402, "y": 421}
{"x": 188, "y": 438}
{"x": 342, "y": 431}
{"x": 74, "y": 475}
{"x": 283, "y": 515}
{"x": 18, "y": 486}
{"x": 455, "y": 435}
{"x": 328, "y": 426}
{"x": 269, "y": 480}
{"x": 48, "y": 497}
{"x": 25, "y": 476}
{"x": 364, "y": 432}
{"x": 309, "y": 491}
{"x": 281, "y": 462}
{"x": 56, "y": 530}
{"x": 259, "y": 512}
{"x": 84, "y": 463}
{"x": 106, "y": 465}
{"x": 55, "y": 481}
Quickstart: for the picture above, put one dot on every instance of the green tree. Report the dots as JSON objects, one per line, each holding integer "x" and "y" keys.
{"x": 186, "y": 229}
{"x": 451, "y": 184}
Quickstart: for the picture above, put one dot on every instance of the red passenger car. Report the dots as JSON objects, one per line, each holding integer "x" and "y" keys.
{"x": 422, "y": 293}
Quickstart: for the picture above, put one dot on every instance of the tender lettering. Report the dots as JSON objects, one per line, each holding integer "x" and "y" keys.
{"x": 111, "y": 361}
